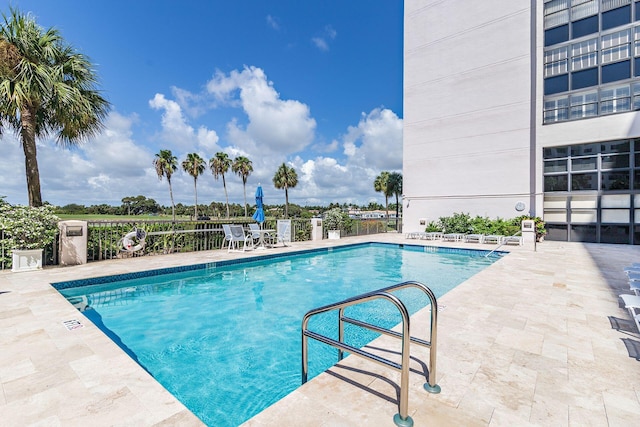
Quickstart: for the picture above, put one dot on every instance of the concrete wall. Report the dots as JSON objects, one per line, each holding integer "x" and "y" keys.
{"x": 468, "y": 133}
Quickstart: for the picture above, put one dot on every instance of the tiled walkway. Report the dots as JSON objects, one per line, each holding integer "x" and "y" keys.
{"x": 538, "y": 338}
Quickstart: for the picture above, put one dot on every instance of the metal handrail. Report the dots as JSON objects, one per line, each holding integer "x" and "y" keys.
{"x": 502, "y": 244}
{"x": 402, "y": 418}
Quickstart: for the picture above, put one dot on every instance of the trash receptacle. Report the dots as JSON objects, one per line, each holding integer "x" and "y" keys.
{"x": 73, "y": 242}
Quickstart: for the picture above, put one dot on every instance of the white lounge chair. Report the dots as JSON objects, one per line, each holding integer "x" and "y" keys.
{"x": 284, "y": 231}
{"x": 238, "y": 236}
{"x": 632, "y": 303}
{"x": 227, "y": 235}
{"x": 492, "y": 239}
{"x": 474, "y": 238}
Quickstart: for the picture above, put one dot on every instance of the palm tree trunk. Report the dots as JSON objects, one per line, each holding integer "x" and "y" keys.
{"x": 173, "y": 205}
{"x": 286, "y": 202}
{"x": 386, "y": 207}
{"x": 397, "y": 213}
{"x": 28, "y": 135}
{"x": 244, "y": 190}
{"x": 195, "y": 191}
{"x": 224, "y": 184}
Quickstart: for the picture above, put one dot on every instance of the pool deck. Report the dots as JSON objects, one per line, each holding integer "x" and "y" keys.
{"x": 538, "y": 338}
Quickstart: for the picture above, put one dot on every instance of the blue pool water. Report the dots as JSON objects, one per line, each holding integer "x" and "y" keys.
{"x": 224, "y": 338}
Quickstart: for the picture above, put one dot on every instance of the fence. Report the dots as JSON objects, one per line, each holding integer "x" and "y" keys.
{"x": 104, "y": 237}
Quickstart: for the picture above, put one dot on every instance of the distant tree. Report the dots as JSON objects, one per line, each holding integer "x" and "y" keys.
{"x": 381, "y": 185}
{"x": 285, "y": 177}
{"x": 220, "y": 165}
{"x": 394, "y": 187}
{"x": 72, "y": 208}
{"x": 194, "y": 165}
{"x": 243, "y": 167}
{"x": 126, "y": 202}
{"x": 166, "y": 164}
{"x": 46, "y": 87}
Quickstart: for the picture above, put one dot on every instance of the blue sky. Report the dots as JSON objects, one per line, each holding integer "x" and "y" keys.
{"x": 316, "y": 84}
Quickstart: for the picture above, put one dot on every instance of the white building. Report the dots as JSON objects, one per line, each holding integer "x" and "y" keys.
{"x": 524, "y": 107}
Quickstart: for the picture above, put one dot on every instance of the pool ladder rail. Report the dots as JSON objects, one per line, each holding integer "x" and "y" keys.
{"x": 402, "y": 418}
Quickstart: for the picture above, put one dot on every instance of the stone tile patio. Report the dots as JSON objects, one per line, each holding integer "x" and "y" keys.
{"x": 538, "y": 338}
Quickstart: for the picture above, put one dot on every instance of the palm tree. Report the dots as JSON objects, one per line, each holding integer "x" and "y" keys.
{"x": 286, "y": 178}
{"x": 394, "y": 186}
{"x": 380, "y": 185}
{"x": 46, "y": 87}
{"x": 166, "y": 164}
{"x": 220, "y": 165}
{"x": 243, "y": 167}
{"x": 194, "y": 165}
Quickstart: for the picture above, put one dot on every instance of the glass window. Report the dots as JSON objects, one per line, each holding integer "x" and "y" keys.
{"x": 583, "y": 105}
{"x": 615, "y": 162}
{"x": 556, "y": 12}
{"x": 583, "y": 8}
{"x": 615, "y": 46}
{"x": 585, "y": 149}
{"x": 614, "y": 72}
{"x": 614, "y": 100}
{"x": 584, "y": 78}
{"x": 556, "y": 110}
{"x": 584, "y": 27}
{"x": 584, "y": 164}
{"x": 616, "y": 17}
{"x": 615, "y": 147}
{"x": 583, "y": 233}
{"x": 636, "y": 38}
{"x": 556, "y": 84}
{"x": 583, "y": 54}
{"x": 618, "y": 180}
{"x": 556, "y": 35}
{"x": 555, "y": 61}
{"x": 555, "y": 166}
{"x": 556, "y": 183}
{"x": 555, "y": 152}
{"x": 584, "y": 181}
{"x": 614, "y": 234}
{"x": 610, "y": 4}
{"x": 636, "y": 179}
{"x": 636, "y": 67}
{"x": 637, "y": 17}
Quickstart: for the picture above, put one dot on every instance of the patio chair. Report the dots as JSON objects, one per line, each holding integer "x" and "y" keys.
{"x": 632, "y": 303}
{"x": 284, "y": 231}
{"x": 237, "y": 236}
{"x": 227, "y": 235}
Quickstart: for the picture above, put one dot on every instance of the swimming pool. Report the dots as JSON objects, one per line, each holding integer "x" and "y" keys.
{"x": 224, "y": 337}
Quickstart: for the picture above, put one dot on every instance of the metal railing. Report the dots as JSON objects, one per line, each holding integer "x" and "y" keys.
{"x": 402, "y": 418}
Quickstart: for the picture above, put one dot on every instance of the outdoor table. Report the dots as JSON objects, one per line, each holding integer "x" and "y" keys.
{"x": 261, "y": 242}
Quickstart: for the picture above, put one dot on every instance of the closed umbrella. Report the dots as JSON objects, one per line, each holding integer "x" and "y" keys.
{"x": 259, "y": 213}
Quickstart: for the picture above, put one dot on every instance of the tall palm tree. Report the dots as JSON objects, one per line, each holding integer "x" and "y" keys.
{"x": 286, "y": 178}
{"x": 394, "y": 186}
{"x": 381, "y": 184}
{"x": 166, "y": 164}
{"x": 220, "y": 165}
{"x": 194, "y": 165}
{"x": 243, "y": 167}
{"x": 46, "y": 87}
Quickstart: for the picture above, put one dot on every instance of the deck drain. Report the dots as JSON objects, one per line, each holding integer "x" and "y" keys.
{"x": 72, "y": 324}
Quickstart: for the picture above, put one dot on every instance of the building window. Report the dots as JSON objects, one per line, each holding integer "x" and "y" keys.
{"x": 616, "y": 17}
{"x": 556, "y": 110}
{"x": 583, "y": 105}
{"x": 615, "y": 100}
{"x": 555, "y": 61}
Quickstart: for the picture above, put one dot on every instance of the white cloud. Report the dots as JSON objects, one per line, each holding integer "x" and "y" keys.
{"x": 376, "y": 141}
{"x": 274, "y": 125}
{"x": 272, "y": 21}
{"x": 177, "y": 132}
{"x": 321, "y": 42}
